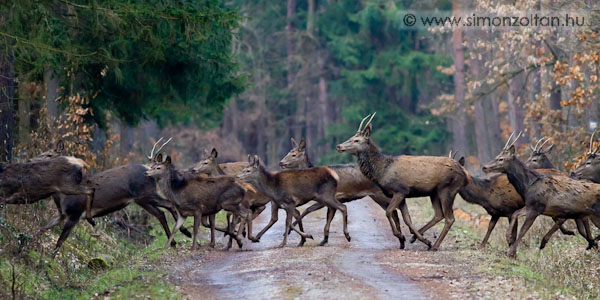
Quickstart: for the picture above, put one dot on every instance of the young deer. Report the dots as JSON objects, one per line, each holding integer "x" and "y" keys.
{"x": 551, "y": 195}
{"x": 256, "y": 199}
{"x": 352, "y": 185}
{"x": 198, "y": 196}
{"x": 293, "y": 188}
{"x": 405, "y": 176}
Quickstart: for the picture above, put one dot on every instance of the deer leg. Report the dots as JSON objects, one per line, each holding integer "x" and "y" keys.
{"x": 256, "y": 212}
{"x": 157, "y": 201}
{"x": 555, "y": 227}
{"x": 407, "y": 220}
{"x": 211, "y": 220}
{"x": 157, "y": 213}
{"x": 583, "y": 228}
{"x": 563, "y": 230}
{"x": 437, "y": 217}
{"x": 447, "y": 198}
{"x": 57, "y": 217}
{"x": 491, "y": 226}
{"x": 289, "y": 213}
{"x": 274, "y": 217}
{"x": 511, "y": 232}
{"x": 178, "y": 224}
{"x": 197, "y": 221}
{"x": 531, "y": 215}
{"x": 402, "y": 239}
{"x": 596, "y": 222}
{"x": 396, "y": 202}
{"x": 330, "y": 215}
{"x": 307, "y": 211}
{"x": 66, "y": 230}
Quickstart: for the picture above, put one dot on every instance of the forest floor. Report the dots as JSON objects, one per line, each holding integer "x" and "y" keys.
{"x": 369, "y": 267}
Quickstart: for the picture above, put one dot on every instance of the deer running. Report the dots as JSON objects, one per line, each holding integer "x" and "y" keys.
{"x": 404, "y": 176}
{"x": 292, "y": 188}
{"x": 198, "y": 196}
{"x": 352, "y": 185}
{"x": 551, "y": 195}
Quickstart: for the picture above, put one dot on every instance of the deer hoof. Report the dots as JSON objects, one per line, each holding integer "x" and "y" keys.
{"x": 309, "y": 236}
{"x": 254, "y": 240}
{"x": 212, "y": 245}
{"x": 347, "y": 236}
{"x": 543, "y": 245}
{"x": 281, "y": 245}
{"x": 568, "y": 232}
{"x": 92, "y": 222}
{"x": 482, "y": 246}
{"x": 413, "y": 239}
{"x": 301, "y": 244}
{"x": 322, "y": 243}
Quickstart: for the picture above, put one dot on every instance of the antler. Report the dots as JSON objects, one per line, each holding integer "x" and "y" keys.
{"x": 370, "y": 119}
{"x": 536, "y": 148}
{"x": 361, "y": 123}
{"x": 452, "y": 154}
{"x": 152, "y": 153}
{"x": 506, "y": 146}
{"x": 544, "y": 143}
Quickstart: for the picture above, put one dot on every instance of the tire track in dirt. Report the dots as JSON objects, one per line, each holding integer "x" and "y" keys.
{"x": 339, "y": 270}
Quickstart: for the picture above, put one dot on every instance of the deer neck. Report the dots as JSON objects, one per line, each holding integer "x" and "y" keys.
{"x": 266, "y": 183}
{"x": 216, "y": 171}
{"x": 521, "y": 177}
{"x": 169, "y": 183}
{"x": 306, "y": 163}
{"x": 371, "y": 162}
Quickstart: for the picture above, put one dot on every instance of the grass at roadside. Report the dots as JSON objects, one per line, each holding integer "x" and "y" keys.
{"x": 564, "y": 269}
{"x": 125, "y": 268}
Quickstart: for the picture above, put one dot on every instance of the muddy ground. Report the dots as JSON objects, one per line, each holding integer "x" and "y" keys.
{"x": 371, "y": 266}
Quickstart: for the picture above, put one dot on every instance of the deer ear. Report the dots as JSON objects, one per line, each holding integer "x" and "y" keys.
{"x": 461, "y": 161}
{"x": 214, "y": 153}
{"x": 158, "y": 158}
{"x": 294, "y": 145}
{"x": 60, "y": 146}
{"x": 302, "y": 145}
{"x": 511, "y": 150}
{"x": 256, "y": 161}
{"x": 367, "y": 131}
{"x": 549, "y": 149}
{"x": 250, "y": 162}
{"x": 168, "y": 160}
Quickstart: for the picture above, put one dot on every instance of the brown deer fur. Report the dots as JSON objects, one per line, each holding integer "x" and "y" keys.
{"x": 352, "y": 185}
{"x": 551, "y": 195}
{"x": 198, "y": 196}
{"x": 293, "y": 188}
{"x": 409, "y": 176}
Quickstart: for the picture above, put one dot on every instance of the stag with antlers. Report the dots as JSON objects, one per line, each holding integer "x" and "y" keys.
{"x": 551, "y": 195}
{"x": 404, "y": 176}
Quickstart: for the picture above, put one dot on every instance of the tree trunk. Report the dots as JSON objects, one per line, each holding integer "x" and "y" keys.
{"x": 515, "y": 104}
{"x": 51, "y": 81}
{"x": 7, "y": 109}
{"x": 458, "y": 120}
{"x": 126, "y": 138}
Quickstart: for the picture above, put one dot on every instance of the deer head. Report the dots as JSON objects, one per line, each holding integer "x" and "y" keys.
{"x": 590, "y": 168}
{"x": 361, "y": 140}
{"x": 159, "y": 167}
{"x": 539, "y": 156}
{"x": 206, "y": 165}
{"x": 507, "y": 156}
{"x": 296, "y": 157}
{"x": 251, "y": 172}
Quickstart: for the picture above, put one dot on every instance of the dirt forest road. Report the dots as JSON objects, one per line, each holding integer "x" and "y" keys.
{"x": 369, "y": 267}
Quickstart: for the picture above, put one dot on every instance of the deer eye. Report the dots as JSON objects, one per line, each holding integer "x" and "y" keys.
{"x": 501, "y": 159}
{"x": 356, "y": 141}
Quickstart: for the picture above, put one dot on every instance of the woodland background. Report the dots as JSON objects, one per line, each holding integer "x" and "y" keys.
{"x": 110, "y": 77}
{"x": 245, "y": 76}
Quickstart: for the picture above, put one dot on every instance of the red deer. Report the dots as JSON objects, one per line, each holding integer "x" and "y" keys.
{"x": 499, "y": 199}
{"x": 292, "y": 188}
{"x": 198, "y": 196}
{"x": 404, "y": 176}
{"x": 115, "y": 189}
{"x": 256, "y": 199}
{"x": 551, "y": 195}
{"x": 352, "y": 185}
